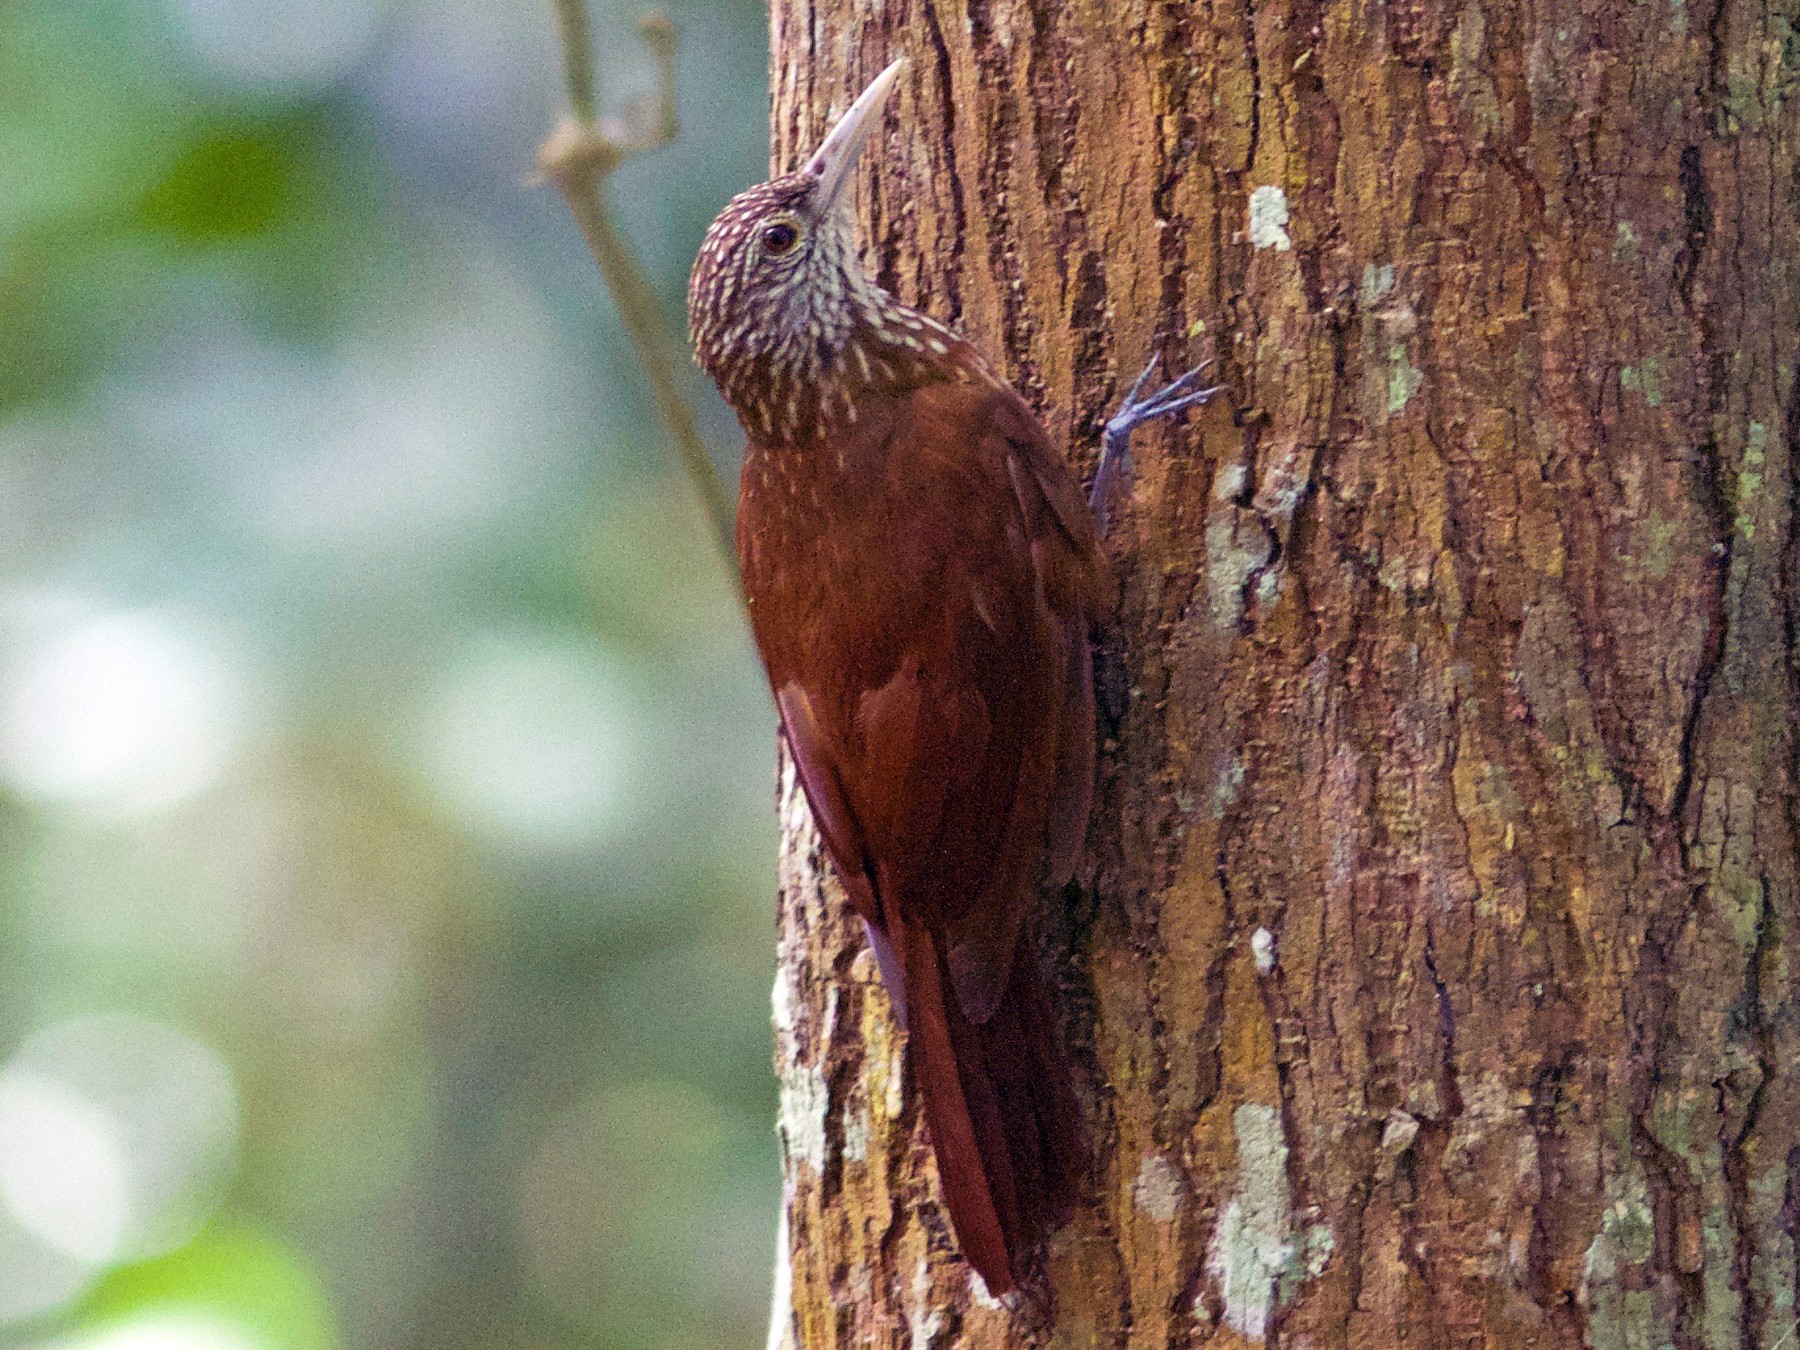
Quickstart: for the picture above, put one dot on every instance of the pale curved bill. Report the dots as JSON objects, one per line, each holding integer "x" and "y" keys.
{"x": 836, "y": 156}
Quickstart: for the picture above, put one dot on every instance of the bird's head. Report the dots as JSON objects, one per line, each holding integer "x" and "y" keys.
{"x": 777, "y": 282}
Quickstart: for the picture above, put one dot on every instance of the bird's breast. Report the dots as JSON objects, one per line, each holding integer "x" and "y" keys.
{"x": 853, "y": 548}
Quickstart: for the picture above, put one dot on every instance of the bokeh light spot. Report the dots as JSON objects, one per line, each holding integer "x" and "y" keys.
{"x": 117, "y": 1135}
{"x": 37, "y": 1279}
{"x": 174, "y": 1329}
{"x": 124, "y": 712}
{"x": 63, "y": 1172}
{"x": 530, "y": 737}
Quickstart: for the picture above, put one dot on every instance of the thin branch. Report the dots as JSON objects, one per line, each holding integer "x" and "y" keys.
{"x": 578, "y": 157}
{"x": 578, "y": 58}
{"x": 659, "y": 32}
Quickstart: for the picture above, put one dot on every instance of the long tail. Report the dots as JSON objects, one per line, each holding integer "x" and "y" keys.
{"x": 1004, "y": 1120}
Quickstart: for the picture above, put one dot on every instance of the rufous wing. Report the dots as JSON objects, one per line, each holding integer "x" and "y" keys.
{"x": 931, "y": 664}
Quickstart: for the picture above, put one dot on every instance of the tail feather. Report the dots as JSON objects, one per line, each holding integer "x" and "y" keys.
{"x": 1004, "y": 1120}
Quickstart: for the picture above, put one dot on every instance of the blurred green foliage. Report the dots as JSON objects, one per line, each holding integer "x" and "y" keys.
{"x": 386, "y": 846}
{"x": 242, "y": 1278}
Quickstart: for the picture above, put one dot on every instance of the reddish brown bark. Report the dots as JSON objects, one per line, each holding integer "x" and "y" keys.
{"x": 1431, "y": 972}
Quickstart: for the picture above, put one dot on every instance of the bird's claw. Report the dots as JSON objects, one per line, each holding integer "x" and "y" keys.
{"x": 1179, "y": 393}
{"x": 1115, "y": 441}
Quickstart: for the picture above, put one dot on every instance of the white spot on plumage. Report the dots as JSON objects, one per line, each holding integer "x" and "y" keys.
{"x": 981, "y": 610}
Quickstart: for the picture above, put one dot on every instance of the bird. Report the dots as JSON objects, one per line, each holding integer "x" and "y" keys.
{"x": 922, "y": 576}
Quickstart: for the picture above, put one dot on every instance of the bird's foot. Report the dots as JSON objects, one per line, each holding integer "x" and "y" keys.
{"x": 1115, "y": 441}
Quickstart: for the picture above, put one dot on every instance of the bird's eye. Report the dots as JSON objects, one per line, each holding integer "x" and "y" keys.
{"x": 779, "y": 238}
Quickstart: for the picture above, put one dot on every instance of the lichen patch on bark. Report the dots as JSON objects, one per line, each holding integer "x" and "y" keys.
{"x": 1257, "y": 1256}
{"x": 1269, "y": 218}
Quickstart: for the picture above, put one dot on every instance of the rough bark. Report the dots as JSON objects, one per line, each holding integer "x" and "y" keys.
{"x": 1432, "y": 970}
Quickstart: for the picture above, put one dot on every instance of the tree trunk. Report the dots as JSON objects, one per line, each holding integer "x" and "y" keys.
{"x": 1431, "y": 973}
